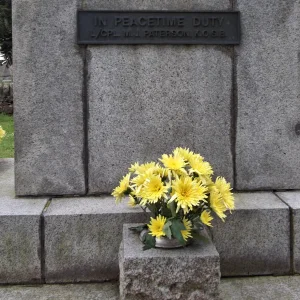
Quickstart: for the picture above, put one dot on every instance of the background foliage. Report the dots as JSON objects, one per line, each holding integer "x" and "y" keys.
{"x": 6, "y": 31}
{"x": 7, "y": 143}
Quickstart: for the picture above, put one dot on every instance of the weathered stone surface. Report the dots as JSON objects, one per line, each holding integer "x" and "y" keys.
{"x": 20, "y": 245}
{"x": 48, "y": 89}
{"x": 266, "y": 288}
{"x": 267, "y": 146}
{"x": 82, "y": 238}
{"x": 292, "y": 199}
{"x": 272, "y": 288}
{"x": 188, "y": 273}
{"x": 146, "y": 100}
{"x": 255, "y": 239}
{"x": 98, "y": 291}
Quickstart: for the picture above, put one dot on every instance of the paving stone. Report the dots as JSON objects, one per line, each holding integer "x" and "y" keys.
{"x": 100, "y": 291}
{"x": 186, "y": 273}
{"x": 261, "y": 288}
{"x": 267, "y": 144}
{"x": 82, "y": 238}
{"x": 245, "y": 288}
{"x": 145, "y": 100}
{"x": 255, "y": 238}
{"x": 20, "y": 243}
{"x": 48, "y": 107}
{"x": 292, "y": 199}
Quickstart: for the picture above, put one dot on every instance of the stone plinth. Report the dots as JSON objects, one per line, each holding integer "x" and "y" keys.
{"x": 185, "y": 274}
{"x": 82, "y": 238}
{"x": 292, "y": 199}
{"x": 255, "y": 238}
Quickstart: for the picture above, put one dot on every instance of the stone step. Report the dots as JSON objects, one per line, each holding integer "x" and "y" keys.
{"x": 66, "y": 240}
{"x": 255, "y": 238}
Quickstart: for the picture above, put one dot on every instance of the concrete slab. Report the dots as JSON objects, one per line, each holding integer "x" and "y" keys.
{"x": 184, "y": 273}
{"x": 102, "y": 291}
{"x": 255, "y": 238}
{"x": 261, "y": 288}
{"x": 20, "y": 232}
{"x": 292, "y": 199}
{"x": 246, "y": 288}
{"x": 82, "y": 238}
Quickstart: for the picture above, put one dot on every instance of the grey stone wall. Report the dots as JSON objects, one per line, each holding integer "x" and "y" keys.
{"x": 84, "y": 114}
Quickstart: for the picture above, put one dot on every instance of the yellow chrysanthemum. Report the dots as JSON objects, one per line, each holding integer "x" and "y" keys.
{"x": 187, "y": 233}
{"x": 144, "y": 168}
{"x": 139, "y": 180}
{"x": 185, "y": 153}
{"x": 156, "y": 226}
{"x": 134, "y": 167}
{"x": 224, "y": 189}
{"x": 200, "y": 167}
{"x": 187, "y": 193}
{"x": 174, "y": 163}
{"x": 206, "y": 218}
{"x": 153, "y": 190}
{"x": 2, "y": 133}
{"x": 131, "y": 201}
{"x": 119, "y": 191}
{"x": 217, "y": 204}
{"x": 158, "y": 170}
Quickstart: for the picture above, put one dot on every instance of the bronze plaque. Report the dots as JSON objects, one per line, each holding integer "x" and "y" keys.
{"x": 158, "y": 27}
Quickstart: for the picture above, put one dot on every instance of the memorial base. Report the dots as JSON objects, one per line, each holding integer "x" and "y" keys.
{"x": 188, "y": 273}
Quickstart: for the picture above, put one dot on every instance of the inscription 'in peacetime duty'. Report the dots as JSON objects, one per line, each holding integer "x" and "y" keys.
{"x": 160, "y": 22}
{"x": 109, "y": 27}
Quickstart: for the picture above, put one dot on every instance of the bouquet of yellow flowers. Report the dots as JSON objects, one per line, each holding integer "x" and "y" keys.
{"x": 2, "y": 133}
{"x": 180, "y": 195}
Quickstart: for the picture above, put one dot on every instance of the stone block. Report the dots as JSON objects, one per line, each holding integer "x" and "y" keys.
{"x": 292, "y": 199}
{"x": 82, "y": 238}
{"x": 187, "y": 273}
{"x": 267, "y": 72}
{"x": 48, "y": 92}
{"x": 255, "y": 238}
{"x": 145, "y": 100}
{"x": 20, "y": 232}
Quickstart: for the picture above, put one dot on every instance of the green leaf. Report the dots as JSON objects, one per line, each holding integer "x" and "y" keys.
{"x": 176, "y": 228}
{"x": 199, "y": 237}
{"x": 198, "y": 225}
{"x": 139, "y": 228}
{"x": 171, "y": 206}
{"x": 152, "y": 208}
{"x": 165, "y": 211}
{"x": 167, "y": 230}
{"x": 149, "y": 242}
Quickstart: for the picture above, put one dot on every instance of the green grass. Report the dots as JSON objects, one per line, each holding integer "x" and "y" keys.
{"x": 7, "y": 144}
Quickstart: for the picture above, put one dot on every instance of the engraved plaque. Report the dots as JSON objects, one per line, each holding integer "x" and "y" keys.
{"x": 158, "y": 27}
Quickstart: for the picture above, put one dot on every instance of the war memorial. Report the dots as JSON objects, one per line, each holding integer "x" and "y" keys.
{"x": 99, "y": 85}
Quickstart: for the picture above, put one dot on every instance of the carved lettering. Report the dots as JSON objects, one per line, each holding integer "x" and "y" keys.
{"x": 158, "y": 27}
